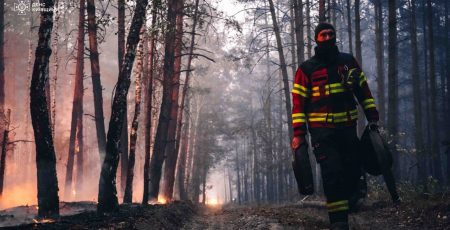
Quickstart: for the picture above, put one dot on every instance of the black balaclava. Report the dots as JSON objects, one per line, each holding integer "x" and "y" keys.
{"x": 327, "y": 50}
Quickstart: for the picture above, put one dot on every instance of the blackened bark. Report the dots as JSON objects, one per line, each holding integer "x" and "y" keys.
{"x": 107, "y": 195}
{"x": 379, "y": 53}
{"x": 349, "y": 27}
{"x": 283, "y": 68}
{"x": 433, "y": 90}
{"x": 77, "y": 105}
{"x": 392, "y": 119}
{"x": 124, "y": 138}
{"x": 308, "y": 28}
{"x": 157, "y": 158}
{"x": 149, "y": 94}
{"x": 128, "y": 196}
{"x": 2, "y": 58}
{"x": 171, "y": 151}
{"x": 322, "y": 11}
{"x": 447, "y": 61}
{"x": 4, "y": 151}
{"x": 96, "y": 82}
{"x": 47, "y": 182}
{"x": 416, "y": 81}
{"x": 298, "y": 12}
{"x": 80, "y": 151}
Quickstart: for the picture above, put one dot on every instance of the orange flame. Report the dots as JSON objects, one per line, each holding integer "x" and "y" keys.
{"x": 162, "y": 200}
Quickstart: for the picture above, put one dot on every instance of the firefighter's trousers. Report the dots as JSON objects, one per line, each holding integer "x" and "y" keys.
{"x": 337, "y": 151}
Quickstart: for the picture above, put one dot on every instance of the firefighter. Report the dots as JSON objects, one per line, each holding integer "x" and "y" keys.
{"x": 324, "y": 92}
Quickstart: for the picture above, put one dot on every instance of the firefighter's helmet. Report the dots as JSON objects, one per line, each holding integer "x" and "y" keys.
{"x": 377, "y": 157}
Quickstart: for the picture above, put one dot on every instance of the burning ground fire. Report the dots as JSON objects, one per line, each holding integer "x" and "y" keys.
{"x": 43, "y": 221}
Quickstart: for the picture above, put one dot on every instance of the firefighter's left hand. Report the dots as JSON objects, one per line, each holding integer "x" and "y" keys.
{"x": 373, "y": 125}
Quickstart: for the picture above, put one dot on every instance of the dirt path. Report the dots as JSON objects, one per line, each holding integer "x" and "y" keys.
{"x": 312, "y": 215}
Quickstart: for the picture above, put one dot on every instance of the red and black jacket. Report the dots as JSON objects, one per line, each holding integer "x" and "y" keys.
{"x": 321, "y": 99}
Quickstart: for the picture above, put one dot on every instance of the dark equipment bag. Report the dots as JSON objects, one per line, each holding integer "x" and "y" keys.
{"x": 302, "y": 170}
{"x": 376, "y": 154}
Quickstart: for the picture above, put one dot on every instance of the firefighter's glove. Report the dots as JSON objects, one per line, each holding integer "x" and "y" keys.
{"x": 351, "y": 78}
{"x": 373, "y": 126}
{"x": 297, "y": 141}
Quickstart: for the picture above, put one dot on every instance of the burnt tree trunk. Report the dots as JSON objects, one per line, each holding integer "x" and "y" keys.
{"x": 56, "y": 67}
{"x": 157, "y": 158}
{"x": 183, "y": 155}
{"x": 77, "y": 104}
{"x": 433, "y": 90}
{"x": 392, "y": 119}
{"x": 379, "y": 53}
{"x": 4, "y": 151}
{"x": 128, "y": 196}
{"x": 107, "y": 195}
{"x": 47, "y": 182}
{"x": 322, "y": 11}
{"x": 96, "y": 82}
{"x": 349, "y": 27}
{"x": 171, "y": 151}
{"x": 149, "y": 94}
{"x": 124, "y": 138}
{"x": 298, "y": 14}
{"x": 308, "y": 28}
{"x": 416, "y": 81}
{"x": 358, "y": 53}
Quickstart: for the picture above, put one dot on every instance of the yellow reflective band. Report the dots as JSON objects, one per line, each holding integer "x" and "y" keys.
{"x": 362, "y": 78}
{"x": 299, "y": 93}
{"x": 298, "y": 120}
{"x": 300, "y": 115}
{"x": 301, "y": 87}
{"x": 369, "y": 100}
{"x": 370, "y": 106}
{"x": 338, "y": 209}
{"x": 337, "y": 203}
{"x": 317, "y": 114}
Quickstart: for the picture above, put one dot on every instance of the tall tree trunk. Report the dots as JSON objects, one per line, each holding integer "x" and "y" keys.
{"x": 124, "y": 137}
{"x": 171, "y": 153}
{"x": 80, "y": 150}
{"x": 77, "y": 105}
{"x": 283, "y": 68}
{"x": 96, "y": 82}
{"x": 298, "y": 12}
{"x": 107, "y": 198}
{"x": 433, "y": 90}
{"x": 379, "y": 53}
{"x": 349, "y": 27}
{"x": 308, "y": 28}
{"x": 256, "y": 169}
{"x": 358, "y": 52}
{"x": 447, "y": 61}
{"x": 47, "y": 182}
{"x": 149, "y": 97}
{"x": 333, "y": 15}
{"x": 182, "y": 163}
{"x": 2, "y": 59}
{"x": 238, "y": 174}
{"x": 128, "y": 194}
{"x": 4, "y": 150}
{"x": 427, "y": 90}
{"x": 322, "y": 17}
{"x": 392, "y": 122}
{"x": 56, "y": 67}
{"x": 157, "y": 158}
{"x": 294, "y": 64}
{"x": 416, "y": 81}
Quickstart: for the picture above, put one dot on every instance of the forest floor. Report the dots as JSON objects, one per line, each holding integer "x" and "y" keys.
{"x": 309, "y": 214}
